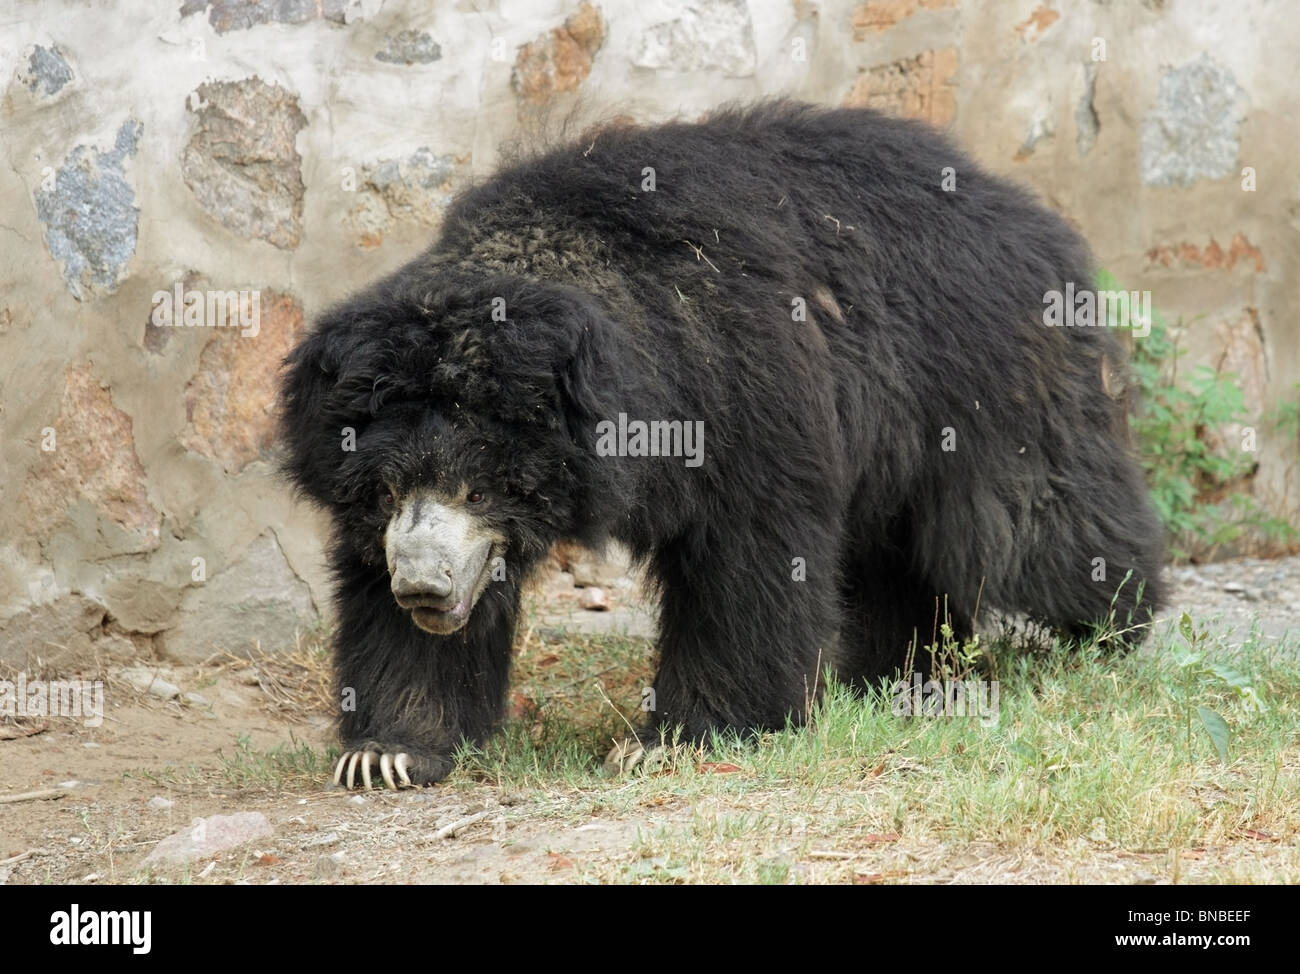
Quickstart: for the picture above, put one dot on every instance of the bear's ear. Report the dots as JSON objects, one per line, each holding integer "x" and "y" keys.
{"x": 325, "y": 384}
{"x": 586, "y": 373}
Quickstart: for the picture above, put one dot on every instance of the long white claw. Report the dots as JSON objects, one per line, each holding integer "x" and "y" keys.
{"x": 386, "y": 769}
{"x": 365, "y": 770}
{"x": 338, "y": 768}
{"x": 401, "y": 763}
{"x": 352, "y": 769}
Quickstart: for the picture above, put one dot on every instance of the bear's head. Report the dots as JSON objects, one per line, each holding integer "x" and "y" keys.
{"x": 445, "y": 419}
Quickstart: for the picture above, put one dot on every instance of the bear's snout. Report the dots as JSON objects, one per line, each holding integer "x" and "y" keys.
{"x": 419, "y": 584}
{"x": 437, "y": 554}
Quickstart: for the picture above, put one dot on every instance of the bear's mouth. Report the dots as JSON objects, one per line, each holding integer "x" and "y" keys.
{"x": 441, "y": 620}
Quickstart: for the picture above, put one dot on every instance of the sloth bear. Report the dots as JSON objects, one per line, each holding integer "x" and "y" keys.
{"x": 846, "y": 315}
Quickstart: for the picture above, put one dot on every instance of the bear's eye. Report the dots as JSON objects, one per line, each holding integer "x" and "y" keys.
{"x": 387, "y": 500}
{"x": 474, "y": 497}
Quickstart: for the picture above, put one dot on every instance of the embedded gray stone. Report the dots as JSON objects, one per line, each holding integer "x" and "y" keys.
{"x": 410, "y": 47}
{"x": 1039, "y": 129}
{"x": 242, "y": 164}
{"x": 46, "y": 71}
{"x": 419, "y": 187}
{"x": 228, "y": 15}
{"x": 1193, "y": 131}
{"x": 90, "y": 215}
{"x": 715, "y": 35}
{"x": 423, "y": 169}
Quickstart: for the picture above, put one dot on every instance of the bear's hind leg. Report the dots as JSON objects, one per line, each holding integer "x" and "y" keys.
{"x": 888, "y": 611}
{"x": 1094, "y": 564}
{"x": 746, "y": 629}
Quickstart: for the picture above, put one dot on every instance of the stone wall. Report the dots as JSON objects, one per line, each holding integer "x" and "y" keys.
{"x": 184, "y": 185}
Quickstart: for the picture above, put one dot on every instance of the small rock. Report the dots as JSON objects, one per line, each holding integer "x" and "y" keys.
{"x": 161, "y": 688}
{"x": 248, "y": 677}
{"x": 327, "y": 866}
{"x": 232, "y": 698}
{"x": 89, "y": 744}
{"x": 329, "y": 838}
{"x": 197, "y": 699}
{"x": 1234, "y": 587}
{"x": 159, "y": 802}
{"x": 594, "y": 599}
{"x": 146, "y": 681}
{"x": 589, "y": 568}
{"x": 208, "y": 836}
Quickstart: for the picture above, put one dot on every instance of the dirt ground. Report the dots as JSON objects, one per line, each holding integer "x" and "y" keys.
{"x": 161, "y": 762}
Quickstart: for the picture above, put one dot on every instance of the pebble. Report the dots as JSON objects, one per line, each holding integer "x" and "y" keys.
{"x": 232, "y": 698}
{"x": 328, "y": 866}
{"x": 145, "y": 680}
{"x": 208, "y": 836}
{"x": 594, "y": 600}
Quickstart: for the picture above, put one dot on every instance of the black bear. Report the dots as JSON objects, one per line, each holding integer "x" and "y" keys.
{"x": 795, "y": 359}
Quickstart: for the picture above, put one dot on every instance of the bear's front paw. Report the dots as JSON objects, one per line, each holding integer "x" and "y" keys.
{"x": 397, "y": 767}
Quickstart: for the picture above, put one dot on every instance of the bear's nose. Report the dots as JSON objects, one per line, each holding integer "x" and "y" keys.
{"x": 415, "y": 588}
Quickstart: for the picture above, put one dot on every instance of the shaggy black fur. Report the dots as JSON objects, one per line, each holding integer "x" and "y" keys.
{"x": 823, "y": 437}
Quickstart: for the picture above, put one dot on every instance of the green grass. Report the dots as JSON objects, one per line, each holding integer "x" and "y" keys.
{"x": 293, "y": 764}
{"x": 1097, "y": 763}
{"x": 1089, "y": 748}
